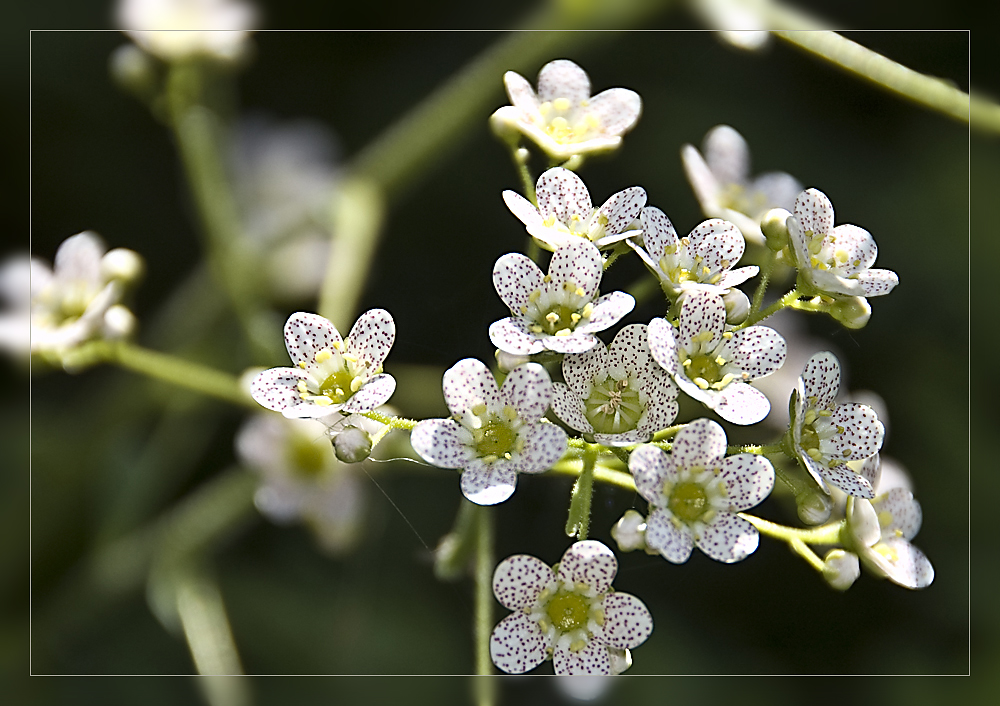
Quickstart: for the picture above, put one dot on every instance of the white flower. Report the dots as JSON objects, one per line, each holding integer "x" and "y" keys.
{"x": 835, "y": 261}
{"x": 703, "y": 260}
{"x": 557, "y": 311}
{"x": 713, "y": 365}
{"x": 565, "y": 211}
{"x": 175, "y": 30}
{"x": 617, "y": 394}
{"x": 721, "y": 182}
{"x": 562, "y": 118}
{"x": 333, "y": 375}
{"x": 78, "y": 299}
{"x": 15, "y": 292}
{"x": 493, "y": 434}
{"x": 568, "y": 612}
{"x": 879, "y": 532}
{"x": 302, "y": 480}
{"x": 695, "y": 491}
{"x": 827, "y": 435}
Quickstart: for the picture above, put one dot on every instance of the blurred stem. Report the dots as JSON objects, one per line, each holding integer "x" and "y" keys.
{"x": 206, "y": 629}
{"x": 455, "y": 550}
{"x": 520, "y": 159}
{"x": 574, "y": 467}
{"x": 824, "y": 534}
{"x": 756, "y": 449}
{"x": 486, "y": 688}
{"x": 578, "y": 519}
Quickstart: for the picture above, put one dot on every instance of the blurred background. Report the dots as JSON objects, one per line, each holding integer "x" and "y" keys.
{"x": 110, "y": 453}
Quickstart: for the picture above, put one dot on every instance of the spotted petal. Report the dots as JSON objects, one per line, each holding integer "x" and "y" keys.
{"x": 592, "y": 659}
{"x": 847, "y": 480}
{"x": 901, "y": 563}
{"x": 878, "y": 282}
{"x": 899, "y": 514}
{"x": 740, "y": 403}
{"x": 871, "y": 470}
{"x": 855, "y": 247}
{"x": 658, "y": 233}
{"x": 373, "y": 393}
{"x": 757, "y": 350}
{"x": 579, "y": 342}
{"x": 727, "y": 538}
{"x": 515, "y": 277}
{"x": 629, "y": 351}
{"x": 578, "y": 262}
{"x": 616, "y": 109}
{"x": 306, "y": 334}
{"x": 662, "y": 408}
{"x": 277, "y": 388}
{"x": 561, "y": 193}
{"x": 511, "y": 335}
{"x": 749, "y": 479}
{"x": 701, "y": 312}
{"x": 519, "y": 579}
{"x": 727, "y": 155}
{"x": 674, "y": 542}
{"x": 700, "y": 443}
{"x": 488, "y": 483}
{"x": 443, "y": 442}
{"x": 469, "y": 383}
{"x": 579, "y": 370}
{"x": 528, "y": 389}
{"x": 520, "y": 92}
{"x": 821, "y": 379}
{"x": 621, "y": 210}
{"x": 372, "y": 336}
{"x": 814, "y": 212}
{"x": 568, "y": 406}
{"x": 517, "y": 644}
{"x": 651, "y": 468}
{"x": 608, "y": 310}
{"x": 663, "y": 344}
{"x": 544, "y": 445}
{"x": 718, "y": 243}
{"x": 589, "y": 562}
{"x": 563, "y": 79}
{"x": 863, "y": 432}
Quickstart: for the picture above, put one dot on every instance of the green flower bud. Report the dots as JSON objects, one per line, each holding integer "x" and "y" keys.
{"x": 737, "y": 306}
{"x": 814, "y": 506}
{"x": 852, "y": 312}
{"x": 775, "y": 231}
{"x": 352, "y": 445}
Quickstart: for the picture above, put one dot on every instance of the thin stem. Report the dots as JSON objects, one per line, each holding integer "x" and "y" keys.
{"x": 484, "y": 605}
{"x": 603, "y": 474}
{"x": 668, "y": 432}
{"x": 824, "y": 534}
{"x": 520, "y": 160}
{"x": 803, "y": 550}
{"x": 765, "y": 277}
{"x": 390, "y": 421}
{"x": 787, "y": 300}
{"x": 620, "y": 249}
{"x": 206, "y": 627}
{"x": 578, "y": 519}
{"x": 756, "y": 449}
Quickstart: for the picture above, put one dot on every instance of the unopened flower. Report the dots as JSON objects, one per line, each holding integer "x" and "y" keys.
{"x": 568, "y": 613}
{"x": 559, "y": 311}
{"x": 703, "y": 260}
{"x": 562, "y": 118}
{"x": 695, "y": 492}
{"x": 175, "y": 30}
{"x": 879, "y": 532}
{"x": 713, "y": 365}
{"x": 720, "y": 177}
{"x": 565, "y": 211}
{"x": 835, "y": 261}
{"x": 827, "y": 435}
{"x": 619, "y": 394}
{"x": 332, "y": 375}
{"x": 301, "y": 478}
{"x": 78, "y": 299}
{"x": 493, "y": 433}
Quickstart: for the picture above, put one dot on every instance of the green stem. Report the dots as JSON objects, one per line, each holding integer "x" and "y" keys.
{"x": 756, "y": 449}
{"x": 203, "y": 617}
{"x": 574, "y": 467}
{"x": 787, "y": 300}
{"x": 824, "y": 534}
{"x": 803, "y": 550}
{"x": 578, "y": 519}
{"x": 485, "y": 564}
{"x": 527, "y": 181}
{"x": 620, "y": 249}
{"x": 668, "y": 432}
{"x": 765, "y": 276}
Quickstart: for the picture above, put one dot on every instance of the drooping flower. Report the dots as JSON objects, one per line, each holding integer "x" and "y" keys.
{"x": 826, "y": 435}
{"x": 562, "y": 118}
{"x": 493, "y": 433}
{"x": 722, "y": 183}
{"x": 175, "y": 30}
{"x": 834, "y": 261}
{"x": 617, "y": 394}
{"x": 332, "y": 375}
{"x": 79, "y": 298}
{"x": 702, "y": 260}
{"x": 568, "y": 613}
{"x": 302, "y": 480}
{"x": 713, "y": 365}
{"x": 558, "y": 311}
{"x": 565, "y": 211}
{"x": 695, "y": 491}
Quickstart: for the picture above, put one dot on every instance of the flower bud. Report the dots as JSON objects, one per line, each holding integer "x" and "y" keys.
{"x": 122, "y": 264}
{"x": 133, "y": 70}
{"x": 737, "y": 306}
{"x": 119, "y": 322}
{"x": 504, "y": 125}
{"x": 352, "y": 445}
{"x": 509, "y": 361}
{"x": 841, "y": 569}
{"x": 814, "y": 506}
{"x": 852, "y": 312}
{"x": 630, "y": 531}
{"x": 774, "y": 227}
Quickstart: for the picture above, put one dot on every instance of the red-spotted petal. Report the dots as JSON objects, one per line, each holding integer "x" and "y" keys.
{"x": 616, "y": 110}
{"x": 519, "y": 579}
{"x": 306, "y": 334}
{"x": 623, "y": 208}
{"x": 589, "y": 562}
{"x": 517, "y": 644}
{"x": 757, "y": 350}
{"x": 488, "y": 483}
{"x": 443, "y": 442}
{"x": 580, "y": 369}
{"x": 740, "y": 403}
{"x": 843, "y": 477}
{"x": 651, "y": 468}
{"x": 702, "y": 312}
{"x": 901, "y": 563}
{"x": 663, "y": 344}
{"x": 821, "y": 379}
{"x": 469, "y": 383}
{"x": 749, "y": 479}
{"x": 372, "y": 337}
{"x": 627, "y": 622}
{"x": 814, "y": 212}
{"x": 863, "y": 432}
{"x": 674, "y": 542}
{"x": 700, "y": 443}
{"x": 592, "y": 659}
{"x": 578, "y": 262}
{"x": 568, "y": 406}
{"x": 372, "y": 394}
{"x": 561, "y": 193}
{"x": 528, "y": 389}
{"x": 658, "y": 233}
{"x": 563, "y": 79}
{"x": 727, "y": 538}
{"x": 898, "y": 513}
{"x": 878, "y": 282}
{"x": 544, "y": 445}
{"x": 277, "y": 388}
{"x": 515, "y": 277}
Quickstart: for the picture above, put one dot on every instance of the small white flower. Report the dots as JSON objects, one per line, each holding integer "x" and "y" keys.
{"x": 562, "y": 118}
{"x": 703, "y": 260}
{"x": 713, "y": 365}
{"x": 695, "y": 491}
{"x": 568, "y": 613}
{"x": 493, "y": 434}
{"x": 722, "y": 183}
{"x": 827, "y": 435}
{"x": 879, "y": 532}
{"x": 15, "y": 292}
{"x": 617, "y": 394}
{"x": 78, "y": 299}
{"x": 175, "y": 30}
{"x": 835, "y": 261}
{"x": 557, "y": 311}
{"x": 301, "y": 479}
{"x": 630, "y": 531}
{"x": 565, "y": 211}
{"x": 333, "y": 375}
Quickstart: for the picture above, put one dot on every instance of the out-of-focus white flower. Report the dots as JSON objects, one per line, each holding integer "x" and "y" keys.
{"x": 560, "y": 311}
{"x": 175, "y": 30}
{"x": 284, "y": 180}
{"x": 562, "y": 118}
{"x": 720, "y": 177}
{"x": 302, "y": 480}
{"x": 565, "y": 211}
{"x": 740, "y": 22}
{"x": 568, "y": 613}
{"x": 493, "y": 433}
{"x": 15, "y": 319}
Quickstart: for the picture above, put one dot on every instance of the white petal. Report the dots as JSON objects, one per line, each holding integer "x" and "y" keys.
{"x": 727, "y": 155}
{"x": 871, "y": 470}
{"x": 847, "y": 480}
{"x": 778, "y": 189}
{"x": 728, "y": 538}
{"x": 310, "y": 410}
{"x": 488, "y": 483}
{"x": 277, "y": 388}
{"x": 561, "y": 193}
{"x": 704, "y": 183}
{"x": 568, "y": 406}
{"x": 899, "y": 514}
{"x": 858, "y": 246}
{"x": 78, "y": 258}
{"x": 563, "y": 79}
{"x": 629, "y": 350}
{"x": 443, "y": 442}
{"x": 651, "y": 468}
{"x": 749, "y": 479}
{"x": 616, "y": 109}
{"x": 821, "y": 379}
{"x": 372, "y": 337}
{"x": 528, "y": 389}
{"x": 623, "y": 208}
{"x": 608, "y": 311}
{"x": 589, "y": 562}
{"x": 627, "y": 621}
{"x": 901, "y": 562}
{"x": 738, "y": 276}
{"x": 658, "y": 233}
{"x": 662, "y": 408}
{"x": 625, "y": 438}
{"x": 544, "y": 445}
{"x": 592, "y": 659}
{"x": 512, "y": 336}
{"x": 578, "y": 262}
{"x": 663, "y": 344}
{"x": 515, "y": 277}
{"x": 372, "y": 394}
{"x": 522, "y": 208}
{"x": 814, "y": 212}
{"x": 306, "y": 334}
{"x": 863, "y": 432}
{"x": 519, "y": 579}
{"x": 718, "y": 243}
{"x": 469, "y": 383}
{"x": 520, "y": 92}
{"x": 757, "y": 350}
{"x": 878, "y": 282}
{"x": 578, "y": 342}
{"x": 517, "y": 644}
{"x": 579, "y": 369}
{"x": 673, "y": 542}
{"x": 700, "y": 312}
{"x": 741, "y": 403}
{"x": 700, "y": 443}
